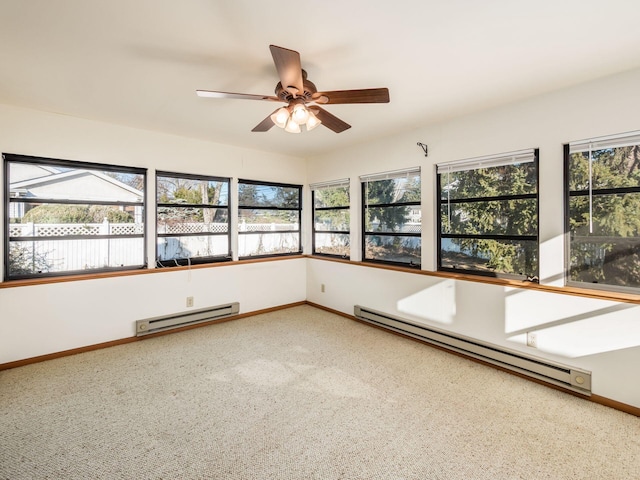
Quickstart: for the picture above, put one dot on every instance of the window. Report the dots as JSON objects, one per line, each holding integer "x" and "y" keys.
{"x": 603, "y": 212}
{"x": 192, "y": 219}
{"x": 66, "y": 217}
{"x": 392, "y": 217}
{"x": 488, "y": 215}
{"x": 268, "y": 219}
{"x": 331, "y": 218}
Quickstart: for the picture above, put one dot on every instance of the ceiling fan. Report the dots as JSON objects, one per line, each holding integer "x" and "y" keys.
{"x": 302, "y": 97}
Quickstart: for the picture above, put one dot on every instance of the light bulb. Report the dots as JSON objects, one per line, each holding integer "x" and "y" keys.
{"x": 312, "y": 122}
{"x": 300, "y": 114}
{"x": 280, "y": 117}
{"x": 292, "y": 127}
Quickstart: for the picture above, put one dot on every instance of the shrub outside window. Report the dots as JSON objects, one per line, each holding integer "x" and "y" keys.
{"x": 488, "y": 215}
{"x": 392, "y": 218}
{"x": 64, "y": 217}
{"x": 331, "y": 220}
{"x": 192, "y": 219}
{"x": 268, "y": 219}
{"x": 603, "y": 212}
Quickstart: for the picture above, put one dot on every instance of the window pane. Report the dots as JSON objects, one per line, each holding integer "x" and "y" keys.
{"x": 336, "y": 220}
{"x": 393, "y": 219}
{"x": 192, "y": 246}
{"x": 611, "y": 253}
{"x": 612, "y": 215}
{"x": 394, "y": 190}
{"x": 331, "y": 197}
{"x": 392, "y": 249}
{"x": 611, "y": 168}
{"x": 74, "y": 215}
{"x": 186, "y": 220}
{"x": 513, "y": 179}
{"x": 381, "y": 216}
{"x": 491, "y": 256}
{"x": 604, "y": 237}
{"x": 68, "y": 183}
{"x": 507, "y": 217}
{"x": 268, "y": 220}
{"x": 189, "y": 191}
{"x": 251, "y": 195}
{"x": 332, "y": 244}
{"x": 268, "y": 243}
{"x": 608, "y": 260}
{"x": 268, "y": 231}
{"x": 49, "y": 256}
{"x": 480, "y": 203}
{"x": 180, "y": 215}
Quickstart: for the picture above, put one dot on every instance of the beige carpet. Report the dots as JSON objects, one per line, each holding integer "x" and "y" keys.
{"x": 298, "y": 394}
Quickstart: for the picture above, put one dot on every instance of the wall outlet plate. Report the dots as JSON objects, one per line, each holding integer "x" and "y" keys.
{"x": 532, "y": 340}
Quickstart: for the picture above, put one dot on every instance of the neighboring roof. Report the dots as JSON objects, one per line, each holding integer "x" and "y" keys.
{"x": 28, "y": 171}
{"x": 35, "y": 187}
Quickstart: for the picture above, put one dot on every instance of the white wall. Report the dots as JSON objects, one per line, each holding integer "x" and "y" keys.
{"x": 601, "y": 336}
{"x": 42, "y": 319}
{"x": 37, "y": 320}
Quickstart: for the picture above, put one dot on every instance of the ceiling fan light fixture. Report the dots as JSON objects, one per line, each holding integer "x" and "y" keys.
{"x": 312, "y": 121}
{"x": 292, "y": 127}
{"x": 300, "y": 114}
{"x": 280, "y": 117}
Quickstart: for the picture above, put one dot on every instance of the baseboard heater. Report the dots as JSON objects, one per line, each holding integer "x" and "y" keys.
{"x": 176, "y": 320}
{"x": 558, "y": 374}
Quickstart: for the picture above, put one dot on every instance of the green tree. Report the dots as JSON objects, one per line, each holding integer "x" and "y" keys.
{"x": 389, "y": 192}
{"x": 497, "y": 216}
{"x": 54, "y": 213}
{"x": 185, "y": 192}
{"x": 604, "y": 242}
{"x": 386, "y": 212}
{"x": 332, "y": 197}
{"x": 248, "y": 194}
{"x": 23, "y": 260}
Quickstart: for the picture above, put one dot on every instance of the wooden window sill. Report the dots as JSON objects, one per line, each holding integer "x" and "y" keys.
{"x": 145, "y": 271}
{"x": 580, "y": 292}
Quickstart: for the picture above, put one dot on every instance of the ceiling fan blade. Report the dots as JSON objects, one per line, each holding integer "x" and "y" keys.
{"x": 289, "y": 69}
{"x": 241, "y": 96}
{"x": 265, "y": 125}
{"x": 367, "y": 95}
{"x": 328, "y": 120}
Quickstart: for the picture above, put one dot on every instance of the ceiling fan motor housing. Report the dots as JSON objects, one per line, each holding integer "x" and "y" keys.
{"x": 286, "y": 96}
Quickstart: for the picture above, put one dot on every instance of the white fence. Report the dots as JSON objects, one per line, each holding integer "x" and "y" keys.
{"x": 48, "y": 254}
{"x": 44, "y": 253}
{"x": 74, "y": 229}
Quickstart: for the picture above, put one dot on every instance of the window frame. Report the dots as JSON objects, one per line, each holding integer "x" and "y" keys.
{"x": 11, "y": 158}
{"x": 529, "y": 276}
{"x": 314, "y": 188}
{"x": 600, "y": 143}
{"x": 364, "y": 180}
{"x": 262, "y": 207}
{"x": 193, "y": 260}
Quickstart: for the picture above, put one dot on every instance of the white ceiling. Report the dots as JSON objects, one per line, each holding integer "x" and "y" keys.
{"x": 139, "y": 62}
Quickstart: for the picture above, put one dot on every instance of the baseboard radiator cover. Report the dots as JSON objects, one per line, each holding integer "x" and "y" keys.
{"x": 565, "y": 376}
{"x": 181, "y": 319}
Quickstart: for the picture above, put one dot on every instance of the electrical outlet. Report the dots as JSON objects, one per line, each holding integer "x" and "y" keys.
{"x": 189, "y": 301}
{"x": 322, "y": 287}
{"x": 532, "y": 340}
